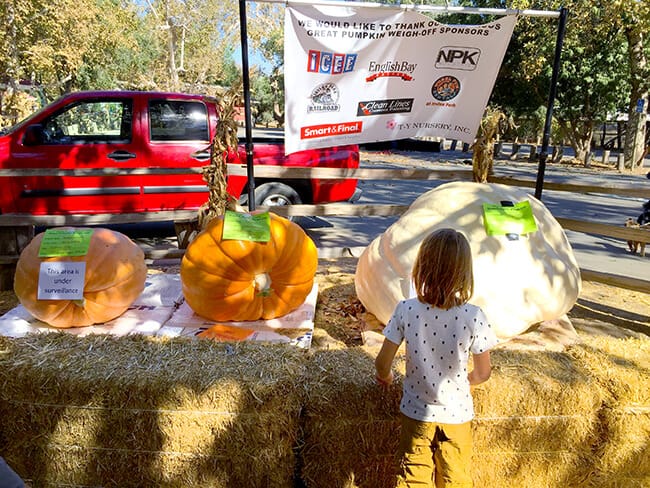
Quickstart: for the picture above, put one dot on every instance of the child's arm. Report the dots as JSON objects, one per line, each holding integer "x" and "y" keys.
{"x": 482, "y": 368}
{"x": 384, "y": 362}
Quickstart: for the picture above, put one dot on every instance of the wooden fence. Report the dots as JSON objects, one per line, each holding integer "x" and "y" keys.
{"x": 17, "y": 229}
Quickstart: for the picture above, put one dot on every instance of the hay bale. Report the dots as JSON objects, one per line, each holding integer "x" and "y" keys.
{"x": 350, "y": 424}
{"x": 138, "y": 411}
{"x": 536, "y": 421}
{"x": 622, "y": 367}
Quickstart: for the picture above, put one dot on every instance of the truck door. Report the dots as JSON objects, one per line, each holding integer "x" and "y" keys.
{"x": 87, "y": 134}
{"x": 179, "y": 137}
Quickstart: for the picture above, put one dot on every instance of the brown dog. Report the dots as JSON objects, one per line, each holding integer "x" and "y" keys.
{"x": 636, "y": 246}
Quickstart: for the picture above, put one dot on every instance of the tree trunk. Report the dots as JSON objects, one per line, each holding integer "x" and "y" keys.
{"x": 636, "y": 123}
{"x": 171, "y": 46}
{"x": 580, "y": 134}
{"x": 12, "y": 67}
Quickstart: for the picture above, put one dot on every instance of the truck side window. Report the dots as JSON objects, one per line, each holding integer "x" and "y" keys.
{"x": 178, "y": 121}
{"x": 90, "y": 122}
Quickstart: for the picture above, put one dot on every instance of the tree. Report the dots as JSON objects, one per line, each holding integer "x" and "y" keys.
{"x": 267, "y": 36}
{"x": 198, "y": 38}
{"x": 633, "y": 18}
{"x": 63, "y": 44}
{"x": 593, "y": 81}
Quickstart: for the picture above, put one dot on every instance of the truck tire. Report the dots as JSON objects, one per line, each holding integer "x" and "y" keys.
{"x": 274, "y": 194}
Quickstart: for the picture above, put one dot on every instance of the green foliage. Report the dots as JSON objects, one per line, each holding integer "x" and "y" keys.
{"x": 265, "y": 99}
{"x": 190, "y": 45}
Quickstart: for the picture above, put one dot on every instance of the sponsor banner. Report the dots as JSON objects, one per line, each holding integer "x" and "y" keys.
{"x": 355, "y": 74}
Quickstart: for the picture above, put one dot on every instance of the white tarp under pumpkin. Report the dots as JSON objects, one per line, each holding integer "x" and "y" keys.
{"x": 517, "y": 283}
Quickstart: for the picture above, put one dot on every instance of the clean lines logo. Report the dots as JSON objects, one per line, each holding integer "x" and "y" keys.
{"x": 452, "y": 57}
{"x": 379, "y": 107}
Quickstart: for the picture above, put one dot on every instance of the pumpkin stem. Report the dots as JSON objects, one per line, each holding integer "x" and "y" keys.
{"x": 263, "y": 284}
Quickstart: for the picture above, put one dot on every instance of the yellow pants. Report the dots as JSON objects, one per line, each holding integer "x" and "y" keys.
{"x": 434, "y": 455}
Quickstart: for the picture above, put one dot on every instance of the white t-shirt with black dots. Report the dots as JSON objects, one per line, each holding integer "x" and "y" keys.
{"x": 438, "y": 343}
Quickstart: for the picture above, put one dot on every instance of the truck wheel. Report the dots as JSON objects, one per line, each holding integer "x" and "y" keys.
{"x": 276, "y": 194}
{"x": 273, "y": 194}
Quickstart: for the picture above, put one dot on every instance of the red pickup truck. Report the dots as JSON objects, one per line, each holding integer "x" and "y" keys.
{"x": 124, "y": 130}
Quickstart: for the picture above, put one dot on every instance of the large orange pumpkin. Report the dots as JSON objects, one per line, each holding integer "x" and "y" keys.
{"x": 115, "y": 277}
{"x": 234, "y": 280}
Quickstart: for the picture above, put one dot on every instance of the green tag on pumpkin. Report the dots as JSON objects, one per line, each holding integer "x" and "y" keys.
{"x": 65, "y": 242}
{"x": 247, "y": 227}
{"x": 517, "y": 219}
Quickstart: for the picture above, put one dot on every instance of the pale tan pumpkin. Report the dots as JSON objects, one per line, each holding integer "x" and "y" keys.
{"x": 517, "y": 283}
{"x": 235, "y": 280}
{"x": 115, "y": 277}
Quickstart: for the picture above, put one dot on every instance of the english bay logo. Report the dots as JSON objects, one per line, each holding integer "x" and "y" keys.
{"x": 453, "y": 57}
{"x": 324, "y": 98}
{"x": 379, "y": 107}
{"x": 445, "y": 88}
{"x": 398, "y": 69}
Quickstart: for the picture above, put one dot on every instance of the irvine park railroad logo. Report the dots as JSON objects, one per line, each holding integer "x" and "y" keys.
{"x": 324, "y": 98}
{"x": 445, "y": 88}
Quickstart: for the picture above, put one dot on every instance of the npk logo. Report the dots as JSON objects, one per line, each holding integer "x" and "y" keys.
{"x": 452, "y": 57}
{"x": 330, "y": 63}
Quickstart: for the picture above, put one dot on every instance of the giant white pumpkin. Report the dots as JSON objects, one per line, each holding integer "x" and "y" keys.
{"x": 517, "y": 283}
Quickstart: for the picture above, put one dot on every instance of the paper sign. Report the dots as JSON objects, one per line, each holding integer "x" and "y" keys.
{"x": 517, "y": 219}
{"x": 61, "y": 280}
{"x": 247, "y": 227}
{"x": 65, "y": 242}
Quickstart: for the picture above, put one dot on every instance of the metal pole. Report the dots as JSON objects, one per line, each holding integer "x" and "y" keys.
{"x": 452, "y": 9}
{"x": 561, "y": 28}
{"x": 247, "y": 106}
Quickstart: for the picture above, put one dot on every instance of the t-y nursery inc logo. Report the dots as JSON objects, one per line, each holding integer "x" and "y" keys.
{"x": 452, "y": 57}
{"x": 330, "y": 63}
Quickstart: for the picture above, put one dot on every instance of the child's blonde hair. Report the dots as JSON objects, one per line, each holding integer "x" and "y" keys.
{"x": 443, "y": 272}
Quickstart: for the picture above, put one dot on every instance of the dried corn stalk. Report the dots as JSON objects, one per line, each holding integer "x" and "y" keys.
{"x": 215, "y": 174}
{"x": 494, "y": 122}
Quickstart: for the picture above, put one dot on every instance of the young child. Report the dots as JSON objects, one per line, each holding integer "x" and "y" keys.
{"x": 440, "y": 329}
